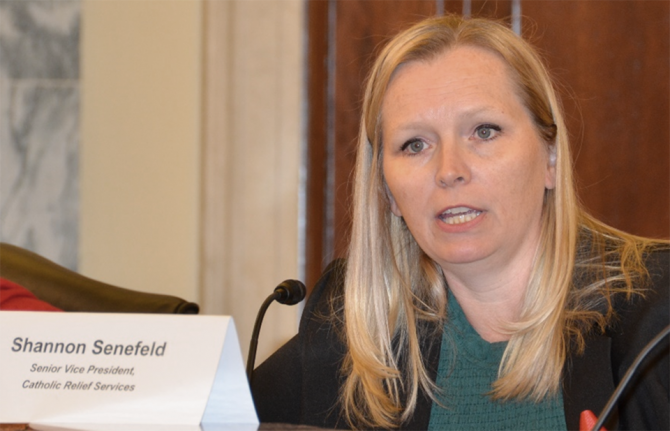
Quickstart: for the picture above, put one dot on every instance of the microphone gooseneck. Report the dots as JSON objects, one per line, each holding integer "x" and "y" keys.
{"x": 289, "y": 292}
{"x": 602, "y": 417}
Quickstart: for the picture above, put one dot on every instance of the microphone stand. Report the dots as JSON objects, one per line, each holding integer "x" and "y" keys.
{"x": 602, "y": 417}
{"x": 254, "y": 335}
{"x": 289, "y": 292}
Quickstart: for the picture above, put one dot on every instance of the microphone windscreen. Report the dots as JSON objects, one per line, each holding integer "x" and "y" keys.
{"x": 290, "y": 292}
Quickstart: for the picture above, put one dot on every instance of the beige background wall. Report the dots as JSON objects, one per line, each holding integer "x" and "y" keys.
{"x": 251, "y": 161}
{"x": 140, "y": 144}
{"x": 190, "y": 152}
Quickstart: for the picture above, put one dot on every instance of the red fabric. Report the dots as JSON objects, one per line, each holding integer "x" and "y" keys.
{"x": 588, "y": 420}
{"x": 16, "y": 297}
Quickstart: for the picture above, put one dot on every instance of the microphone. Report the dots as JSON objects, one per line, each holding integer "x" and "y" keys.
{"x": 626, "y": 378}
{"x": 289, "y": 292}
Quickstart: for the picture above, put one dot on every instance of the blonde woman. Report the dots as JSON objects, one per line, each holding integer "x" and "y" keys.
{"x": 477, "y": 294}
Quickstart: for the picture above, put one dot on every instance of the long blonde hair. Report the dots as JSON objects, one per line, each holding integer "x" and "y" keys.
{"x": 392, "y": 288}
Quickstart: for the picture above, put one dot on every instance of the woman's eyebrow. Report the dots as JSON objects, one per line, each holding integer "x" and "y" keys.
{"x": 477, "y": 110}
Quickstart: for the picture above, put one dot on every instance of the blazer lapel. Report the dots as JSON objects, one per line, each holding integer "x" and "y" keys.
{"x": 588, "y": 381}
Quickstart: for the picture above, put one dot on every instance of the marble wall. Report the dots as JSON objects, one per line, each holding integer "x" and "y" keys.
{"x": 39, "y": 126}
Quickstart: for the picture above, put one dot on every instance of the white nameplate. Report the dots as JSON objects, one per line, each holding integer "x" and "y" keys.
{"x": 132, "y": 369}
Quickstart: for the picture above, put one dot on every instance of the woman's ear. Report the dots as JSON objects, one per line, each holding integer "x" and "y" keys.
{"x": 550, "y": 177}
{"x": 392, "y": 204}
{"x": 552, "y": 156}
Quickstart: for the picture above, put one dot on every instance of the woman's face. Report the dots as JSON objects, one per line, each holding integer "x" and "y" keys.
{"x": 463, "y": 162}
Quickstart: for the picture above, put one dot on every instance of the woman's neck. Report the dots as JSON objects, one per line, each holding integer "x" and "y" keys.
{"x": 491, "y": 296}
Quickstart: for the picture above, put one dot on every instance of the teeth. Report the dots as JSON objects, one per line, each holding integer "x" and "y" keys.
{"x": 459, "y": 215}
{"x": 458, "y": 210}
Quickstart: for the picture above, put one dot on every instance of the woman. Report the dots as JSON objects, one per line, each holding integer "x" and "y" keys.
{"x": 477, "y": 293}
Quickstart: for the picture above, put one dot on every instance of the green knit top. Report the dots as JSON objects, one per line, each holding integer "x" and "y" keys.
{"x": 468, "y": 367}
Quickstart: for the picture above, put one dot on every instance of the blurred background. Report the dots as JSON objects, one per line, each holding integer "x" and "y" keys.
{"x": 203, "y": 148}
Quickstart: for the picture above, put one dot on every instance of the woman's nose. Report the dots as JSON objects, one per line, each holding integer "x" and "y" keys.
{"x": 452, "y": 167}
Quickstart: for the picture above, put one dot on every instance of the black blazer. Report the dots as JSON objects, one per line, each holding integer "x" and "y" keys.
{"x": 299, "y": 383}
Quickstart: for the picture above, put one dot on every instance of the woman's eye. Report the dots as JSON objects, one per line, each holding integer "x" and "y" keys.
{"x": 486, "y": 131}
{"x": 414, "y": 146}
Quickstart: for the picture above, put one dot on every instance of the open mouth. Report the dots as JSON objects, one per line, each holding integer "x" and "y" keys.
{"x": 459, "y": 215}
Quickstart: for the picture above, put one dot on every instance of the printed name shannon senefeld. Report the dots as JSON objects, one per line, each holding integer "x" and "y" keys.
{"x": 99, "y": 347}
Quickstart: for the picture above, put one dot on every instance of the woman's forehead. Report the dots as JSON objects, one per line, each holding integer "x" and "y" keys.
{"x": 463, "y": 80}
